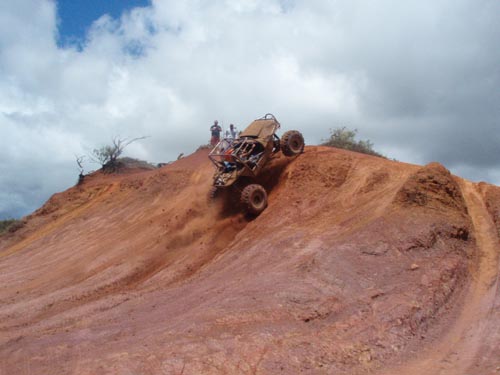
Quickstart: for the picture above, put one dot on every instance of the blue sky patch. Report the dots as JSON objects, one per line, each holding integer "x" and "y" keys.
{"x": 76, "y": 16}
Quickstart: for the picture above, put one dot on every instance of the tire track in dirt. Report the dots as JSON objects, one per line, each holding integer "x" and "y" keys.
{"x": 220, "y": 235}
{"x": 457, "y": 351}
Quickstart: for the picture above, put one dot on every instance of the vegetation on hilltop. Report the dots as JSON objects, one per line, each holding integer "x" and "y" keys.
{"x": 10, "y": 225}
{"x": 108, "y": 156}
{"x": 342, "y": 137}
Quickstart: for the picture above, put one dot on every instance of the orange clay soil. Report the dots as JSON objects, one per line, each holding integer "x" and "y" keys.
{"x": 358, "y": 265}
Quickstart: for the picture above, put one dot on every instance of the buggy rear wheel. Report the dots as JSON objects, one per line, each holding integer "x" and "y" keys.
{"x": 292, "y": 143}
{"x": 254, "y": 199}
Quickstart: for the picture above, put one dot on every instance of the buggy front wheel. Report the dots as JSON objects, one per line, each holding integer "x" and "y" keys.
{"x": 254, "y": 199}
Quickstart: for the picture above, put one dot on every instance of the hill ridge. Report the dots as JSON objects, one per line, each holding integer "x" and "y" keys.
{"x": 357, "y": 262}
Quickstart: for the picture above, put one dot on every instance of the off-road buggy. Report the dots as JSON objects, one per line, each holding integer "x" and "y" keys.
{"x": 239, "y": 161}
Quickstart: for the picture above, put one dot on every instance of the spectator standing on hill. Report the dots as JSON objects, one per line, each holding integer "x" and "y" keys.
{"x": 215, "y": 129}
{"x": 232, "y": 131}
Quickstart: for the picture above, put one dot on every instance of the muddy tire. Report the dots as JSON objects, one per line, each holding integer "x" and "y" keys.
{"x": 292, "y": 143}
{"x": 254, "y": 199}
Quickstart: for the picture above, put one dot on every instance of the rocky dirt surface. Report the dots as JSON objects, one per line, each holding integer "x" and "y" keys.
{"x": 359, "y": 265}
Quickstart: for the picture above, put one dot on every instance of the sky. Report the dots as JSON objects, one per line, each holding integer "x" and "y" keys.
{"x": 419, "y": 79}
{"x": 75, "y": 17}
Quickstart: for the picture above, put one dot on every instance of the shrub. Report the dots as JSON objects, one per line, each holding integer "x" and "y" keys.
{"x": 10, "y": 225}
{"x": 127, "y": 162}
{"x": 205, "y": 147}
{"x": 345, "y": 138}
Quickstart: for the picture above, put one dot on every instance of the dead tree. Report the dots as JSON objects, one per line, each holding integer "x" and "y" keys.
{"x": 108, "y": 155}
{"x": 79, "y": 162}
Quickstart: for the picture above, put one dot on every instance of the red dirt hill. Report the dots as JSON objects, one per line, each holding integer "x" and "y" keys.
{"x": 358, "y": 265}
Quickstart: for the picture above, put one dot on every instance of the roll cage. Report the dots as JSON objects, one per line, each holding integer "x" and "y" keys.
{"x": 245, "y": 156}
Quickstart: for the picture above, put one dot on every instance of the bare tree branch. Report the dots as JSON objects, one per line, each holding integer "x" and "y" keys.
{"x": 108, "y": 155}
{"x": 79, "y": 161}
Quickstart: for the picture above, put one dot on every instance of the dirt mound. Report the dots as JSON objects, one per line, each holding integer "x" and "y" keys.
{"x": 358, "y": 264}
{"x": 432, "y": 186}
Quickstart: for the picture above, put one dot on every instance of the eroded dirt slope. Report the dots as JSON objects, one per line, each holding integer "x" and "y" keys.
{"x": 358, "y": 265}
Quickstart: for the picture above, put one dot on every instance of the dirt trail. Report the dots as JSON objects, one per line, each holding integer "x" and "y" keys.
{"x": 358, "y": 265}
{"x": 458, "y": 350}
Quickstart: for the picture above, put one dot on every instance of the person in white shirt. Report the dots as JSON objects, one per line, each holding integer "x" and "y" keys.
{"x": 233, "y": 133}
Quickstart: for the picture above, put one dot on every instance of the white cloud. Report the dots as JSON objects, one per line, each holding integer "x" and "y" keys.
{"x": 419, "y": 79}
